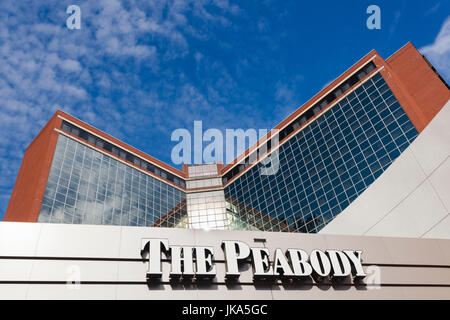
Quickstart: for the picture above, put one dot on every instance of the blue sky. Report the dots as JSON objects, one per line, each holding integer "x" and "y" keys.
{"x": 140, "y": 69}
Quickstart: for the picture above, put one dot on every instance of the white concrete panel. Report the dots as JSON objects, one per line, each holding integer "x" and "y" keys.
{"x": 373, "y": 250}
{"x": 413, "y": 275}
{"x": 70, "y": 270}
{"x": 132, "y": 271}
{"x": 412, "y": 217}
{"x": 130, "y": 240}
{"x": 346, "y": 223}
{"x": 415, "y": 251}
{"x": 239, "y": 292}
{"x": 136, "y": 271}
{"x": 412, "y": 197}
{"x": 66, "y": 240}
{"x": 440, "y": 179}
{"x": 213, "y": 238}
{"x": 13, "y": 291}
{"x": 440, "y": 230}
{"x": 15, "y": 270}
{"x": 445, "y": 249}
{"x": 399, "y": 180}
{"x": 19, "y": 238}
{"x": 284, "y": 240}
{"x": 160, "y": 292}
{"x": 426, "y": 293}
{"x": 382, "y": 250}
{"x": 65, "y": 292}
{"x": 432, "y": 146}
{"x": 328, "y": 292}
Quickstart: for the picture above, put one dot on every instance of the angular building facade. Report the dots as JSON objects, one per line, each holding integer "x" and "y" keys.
{"x": 330, "y": 151}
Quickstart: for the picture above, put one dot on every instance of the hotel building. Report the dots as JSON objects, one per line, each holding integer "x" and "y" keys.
{"x": 330, "y": 151}
{"x": 347, "y": 162}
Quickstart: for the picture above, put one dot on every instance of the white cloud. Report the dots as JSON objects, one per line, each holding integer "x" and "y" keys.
{"x": 286, "y": 96}
{"x": 439, "y": 51}
{"x": 433, "y": 9}
{"x": 98, "y": 73}
{"x": 70, "y": 65}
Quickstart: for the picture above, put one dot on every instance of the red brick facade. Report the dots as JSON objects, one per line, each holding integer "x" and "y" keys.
{"x": 26, "y": 197}
{"x": 409, "y": 75}
{"x": 415, "y": 84}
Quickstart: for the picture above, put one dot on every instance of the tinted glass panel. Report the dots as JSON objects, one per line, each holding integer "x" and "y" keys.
{"x": 87, "y": 187}
{"x": 324, "y": 167}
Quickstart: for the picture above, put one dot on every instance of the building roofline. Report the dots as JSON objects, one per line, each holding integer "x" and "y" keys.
{"x": 285, "y": 122}
{"x": 119, "y": 143}
{"x": 409, "y": 43}
{"x": 309, "y": 103}
{"x": 183, "y": 174}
